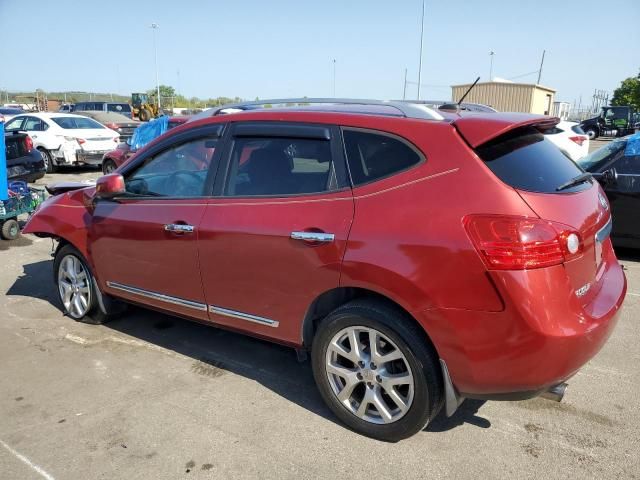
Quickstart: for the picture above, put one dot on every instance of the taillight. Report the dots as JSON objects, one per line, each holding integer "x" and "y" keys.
{"x": 521, "y": 243}
{"x": 112, "y": 126}
{"x": 116, "y": 139}
{"x": 579, "y": 139}
{"x": 81, "y": 140}
{"x": 28, "y": 143}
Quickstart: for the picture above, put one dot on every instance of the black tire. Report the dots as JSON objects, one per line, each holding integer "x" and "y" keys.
{"x": 94, "y": 315}
{"x": 591, "y": 132}
{"x": 108, "y": 166}
{"x": 10, "y": 229}
{"x": 144, "y": 115}
{"x": 48, "y": 160}
{"x": 413, "y": 343}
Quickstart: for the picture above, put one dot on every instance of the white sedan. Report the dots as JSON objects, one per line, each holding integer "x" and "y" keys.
{"x": 65, "y": 139}
{"x": 570, "y": 139}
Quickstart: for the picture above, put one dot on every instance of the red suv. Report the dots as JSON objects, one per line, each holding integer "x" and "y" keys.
{"x": 422, "y": 259}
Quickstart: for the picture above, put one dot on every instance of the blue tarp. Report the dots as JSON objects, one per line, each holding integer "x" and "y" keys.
{"x": 149, "y": 131}
{"x": 633, "y": 145}
{"x": 4, "y": 191}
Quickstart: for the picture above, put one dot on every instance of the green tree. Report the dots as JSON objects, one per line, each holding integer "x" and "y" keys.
{"x": 165, "y": 91}
{"x": 628, "y": 93}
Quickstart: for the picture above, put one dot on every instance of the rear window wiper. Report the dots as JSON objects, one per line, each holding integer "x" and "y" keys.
{"x": 583, "y": 177}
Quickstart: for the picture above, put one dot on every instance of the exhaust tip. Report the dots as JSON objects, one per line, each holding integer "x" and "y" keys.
{"x": 555, "y": 393}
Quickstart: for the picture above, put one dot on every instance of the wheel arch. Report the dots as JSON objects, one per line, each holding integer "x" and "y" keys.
{"x": 328, "y": 301}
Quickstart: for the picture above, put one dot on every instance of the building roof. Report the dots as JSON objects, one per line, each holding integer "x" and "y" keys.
{"x": 541, "y": 87}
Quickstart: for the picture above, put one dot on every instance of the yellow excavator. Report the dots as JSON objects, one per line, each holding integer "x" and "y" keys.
{"x": 143, "y": 108}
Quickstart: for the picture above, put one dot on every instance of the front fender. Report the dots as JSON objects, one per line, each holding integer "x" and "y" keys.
{"x": 66, "y": 216}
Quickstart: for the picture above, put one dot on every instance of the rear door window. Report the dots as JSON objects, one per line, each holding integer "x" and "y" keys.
{"x": 526, "y": 160}
{"x": 375, "y": 155}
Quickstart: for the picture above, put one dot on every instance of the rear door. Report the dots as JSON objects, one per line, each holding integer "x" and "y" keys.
{"x": 527, "y": 161}
{"x": 273, "y": 238}
{"x": 624, "y": 194}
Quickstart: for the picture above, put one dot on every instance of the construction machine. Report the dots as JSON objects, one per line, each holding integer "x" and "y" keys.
{"x": 143, "y": 107}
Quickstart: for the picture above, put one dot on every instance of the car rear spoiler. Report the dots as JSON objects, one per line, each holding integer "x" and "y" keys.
{"x": 480, "y": 129}
{"x": 63, "y": 187}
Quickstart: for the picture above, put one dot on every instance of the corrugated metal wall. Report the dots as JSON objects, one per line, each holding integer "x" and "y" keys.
{"x": 505, "y": 97}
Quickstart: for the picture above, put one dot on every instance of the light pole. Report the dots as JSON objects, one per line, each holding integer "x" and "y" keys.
{"x": 155, "y": 27}
{"x": 334, "y": 78}
{"x": 421, "y": 43}
{"x": 491, "y": 54}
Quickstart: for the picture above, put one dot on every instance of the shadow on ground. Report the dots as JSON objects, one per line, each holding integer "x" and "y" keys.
{"x": 273, "y": 366}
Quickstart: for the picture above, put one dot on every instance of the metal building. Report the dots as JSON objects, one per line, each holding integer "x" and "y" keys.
{"x": 508, "y": 97}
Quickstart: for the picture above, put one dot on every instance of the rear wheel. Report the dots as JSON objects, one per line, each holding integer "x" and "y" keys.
{"x": 591, "y": 133}
{"x": 48, "y": 160}
{"x": 376, "y": 370}
{"x": 76, "y": 287}
{"x": 10, "y": 229}
{"x": 108, "y": 167}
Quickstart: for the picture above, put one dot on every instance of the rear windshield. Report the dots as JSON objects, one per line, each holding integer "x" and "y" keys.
{"x": 526, "y": 160}
{"x": 76, "y": 122}
{"x": 578, "y": 130}
{"x": 598, "y": 159}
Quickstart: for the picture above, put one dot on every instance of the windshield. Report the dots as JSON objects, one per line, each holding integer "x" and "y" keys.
{"x": 70, "y": 123}
{"x": 118, "y": 107}
{"x": 597, "y": 159}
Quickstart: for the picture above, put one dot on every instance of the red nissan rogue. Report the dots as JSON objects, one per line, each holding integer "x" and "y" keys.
{"x": 420, "y": 257}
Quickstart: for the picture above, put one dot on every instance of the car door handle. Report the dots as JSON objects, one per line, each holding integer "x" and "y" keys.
{"x": 313, "y": 236}
{"x": 178, "y": 228}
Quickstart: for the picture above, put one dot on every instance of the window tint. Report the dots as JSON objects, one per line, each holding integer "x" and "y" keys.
{"x": 526, "y": 160}
{"x": 33, "y": 124}
{"x": 279, "y": 166}
{"x": 76, "y": 122}
{"x": 178, "y": 172}
{"x": 578, "y": 130}
{"x": 118, "y": 107}
{"x": 596, "y": 161}
{"x": 628, "y": 164}
{"x": 372, "y": 156}
{"x": 553, "y": 131}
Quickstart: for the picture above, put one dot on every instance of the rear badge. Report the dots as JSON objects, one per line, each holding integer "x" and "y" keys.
{"x": 603, "y": 201}
{"x": 583, "y": 290}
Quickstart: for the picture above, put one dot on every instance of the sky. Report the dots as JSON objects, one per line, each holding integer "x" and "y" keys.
{"x": 287, "y": 48}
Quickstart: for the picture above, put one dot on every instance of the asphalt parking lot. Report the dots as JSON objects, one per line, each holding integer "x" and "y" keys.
{"x": 153, "y": 396}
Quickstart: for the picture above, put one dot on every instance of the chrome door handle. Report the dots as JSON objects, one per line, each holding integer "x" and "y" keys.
{"x": 313, "y": 236}
{"x": 178, "y": 228}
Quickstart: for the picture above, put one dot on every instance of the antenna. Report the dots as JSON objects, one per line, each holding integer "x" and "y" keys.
{"x": 467, "y": 92}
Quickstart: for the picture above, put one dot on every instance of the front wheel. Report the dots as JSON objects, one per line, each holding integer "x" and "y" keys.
{"x": 76, "y": 286}
{"x": 376, "y": 370}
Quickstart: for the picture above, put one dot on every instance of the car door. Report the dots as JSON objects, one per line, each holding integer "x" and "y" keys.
{"x": 623, "y": 191}
{"x": 273, "y": 237}
{"x": 143, "y": 244}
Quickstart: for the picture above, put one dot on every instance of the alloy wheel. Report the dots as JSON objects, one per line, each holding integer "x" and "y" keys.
{"x": 369, "y": 375}
{"x": 74, "y": 287}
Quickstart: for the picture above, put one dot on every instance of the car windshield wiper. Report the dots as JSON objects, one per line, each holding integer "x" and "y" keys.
{"x": 583, "y": 177}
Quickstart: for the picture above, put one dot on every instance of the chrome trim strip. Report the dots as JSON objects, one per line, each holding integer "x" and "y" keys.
{"x": 313, "y": 236}
{"x": 178, "y": 228}
{"x": 604, "y": 232}
{"x": 158, "y": 296}
{"x": 243, "y": 316}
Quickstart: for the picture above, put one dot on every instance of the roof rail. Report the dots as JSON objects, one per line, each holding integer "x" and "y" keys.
{"x": 406, "y": 109}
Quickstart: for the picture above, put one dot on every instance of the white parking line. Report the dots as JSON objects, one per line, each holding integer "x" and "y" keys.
{"x": 26, "y": 461}
{"x": 633, "y": 294}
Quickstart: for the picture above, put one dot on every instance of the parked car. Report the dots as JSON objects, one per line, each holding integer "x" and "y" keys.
{"x": 616, "y": 165}
{"x": 66, "y": 108}
{"x": 114, "y": 158}
{"x": 117, "y": 107}
{"x": 23, "y": 161}
{"x": 570, "y": 139}
{"x": 65, "y": 139}
{"x": 420, "y": 257}
{"x": 115, "y": 121}
{"x": 7, "y": 114}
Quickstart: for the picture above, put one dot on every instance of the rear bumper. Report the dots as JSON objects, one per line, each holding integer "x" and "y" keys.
{"x": 539, "y": 340}
{"x": 90, "y": 157}
{"x": 28, "y": 168}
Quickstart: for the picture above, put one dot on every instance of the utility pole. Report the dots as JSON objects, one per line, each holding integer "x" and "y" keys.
{"x": 491, "y": 54}
{"x": 334, "y": 78}
{"x": 421, "y": 44}
{"x": 541, "y": 64}
{"x": 404, "y": 89}
{"x": 154, "y": 27}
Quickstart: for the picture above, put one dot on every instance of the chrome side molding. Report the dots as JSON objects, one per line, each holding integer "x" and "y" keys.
{"x": 158, "y": 296}
{"x": 243, "y": 316}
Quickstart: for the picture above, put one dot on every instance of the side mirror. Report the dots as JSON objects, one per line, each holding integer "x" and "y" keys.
{"x": 110, "y": 186}
{"x": 610, "y": 176}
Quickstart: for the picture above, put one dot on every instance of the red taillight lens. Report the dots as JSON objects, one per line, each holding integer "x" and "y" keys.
{"x": 579, "y": 139}
{"x": 520, "y": 243}
{"x": 28, "y": 143}
{"x": 112, "y": 126}
{"x": 81, "y": 140}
